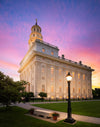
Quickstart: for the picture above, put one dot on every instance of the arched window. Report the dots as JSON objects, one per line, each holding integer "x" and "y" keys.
{"x": 33, "y": 35}
{"x": 52, "y": 53}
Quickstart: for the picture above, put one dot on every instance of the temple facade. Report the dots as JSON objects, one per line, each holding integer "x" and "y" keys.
{"x": 46, "y": 71}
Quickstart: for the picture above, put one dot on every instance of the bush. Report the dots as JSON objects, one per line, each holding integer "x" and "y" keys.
{"x": 27, "y": 96}
{"x": 31, "y": 111}
{"x": 55, "y": 114}
{"x": 42, "y": 95}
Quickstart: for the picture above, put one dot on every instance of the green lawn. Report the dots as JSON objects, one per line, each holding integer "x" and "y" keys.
{"x": 88, "y": 108}
{"x": 15, "y": 118}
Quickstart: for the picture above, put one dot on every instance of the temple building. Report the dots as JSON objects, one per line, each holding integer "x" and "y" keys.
{"x": 46, "y": 71}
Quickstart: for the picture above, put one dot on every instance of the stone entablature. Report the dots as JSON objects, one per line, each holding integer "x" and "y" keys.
{"x": 34, "y": 53}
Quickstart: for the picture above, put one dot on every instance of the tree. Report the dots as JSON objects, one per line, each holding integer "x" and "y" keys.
{"x": 10, "y": 91}
{"x": 96, "y": 93}
{"x": 42, "y": 95}
{"x": 27, "y": 96}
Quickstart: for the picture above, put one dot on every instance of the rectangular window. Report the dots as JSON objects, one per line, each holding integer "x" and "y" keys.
{"x": 67, "y": 89}
{"x": 52, "y": 70}
{"x": 73, "y": 74}
{"x": 79, "y": 90}
{"x": 43, "y": 78}
{"x": 60, "y": 71}
{"x": 78, "y": 75}
{"x": 83, "y": 76}
{"x": 73, "y": 97}
{"x": 60, "y": 89}
{"x": 52, "y": 53}
{"x": 52, "y": 79}
{"x": 43, "y": 88}
{"x": 60, "y": 97}
{"x": 42, "y": 70}
{"x": 84, "y": 90}
{"x": 52, "y": 97}
{"x": 88, "y": 91}
{"x": 73, "y": 90}
{"x": 59, "y": 80}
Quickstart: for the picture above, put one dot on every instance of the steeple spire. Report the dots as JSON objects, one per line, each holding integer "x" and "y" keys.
{"x": 36, "y": 22}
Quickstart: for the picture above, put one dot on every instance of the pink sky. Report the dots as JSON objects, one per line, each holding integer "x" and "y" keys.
{"x": 72, "y": 26}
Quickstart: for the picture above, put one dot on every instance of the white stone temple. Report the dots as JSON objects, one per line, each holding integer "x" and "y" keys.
{"x": 46, "y": 71}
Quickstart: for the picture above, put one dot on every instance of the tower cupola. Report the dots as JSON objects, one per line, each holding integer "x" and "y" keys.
{"x": 35, "y": 34}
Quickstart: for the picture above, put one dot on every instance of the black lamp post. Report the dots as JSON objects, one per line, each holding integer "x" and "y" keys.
{"x": 69, "y": 119}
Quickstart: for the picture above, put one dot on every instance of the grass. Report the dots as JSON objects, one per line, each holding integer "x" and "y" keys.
{"x": 88, "y": 108}
{"x": 15, "y": 118}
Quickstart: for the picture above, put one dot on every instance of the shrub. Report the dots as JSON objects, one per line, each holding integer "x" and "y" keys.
{"x": 31, "y": 111}
{"x": 55, "y": 114}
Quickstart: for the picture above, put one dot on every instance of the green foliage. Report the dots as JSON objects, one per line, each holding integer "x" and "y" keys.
{"x": 31, "y": 111}
{"x": 10, "y": 91}
{"x": 55, "y": 114}
{"x": 27, "y": 96}
{"x": 42, "y": 94}
{"x": 96, "y": 93}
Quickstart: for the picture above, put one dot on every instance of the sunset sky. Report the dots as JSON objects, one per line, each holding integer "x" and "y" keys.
{"x": 72, "y": 25}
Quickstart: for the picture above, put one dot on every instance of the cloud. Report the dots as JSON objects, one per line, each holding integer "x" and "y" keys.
{"x": 9, "y": 69}
{"x": 75, "y": 32}
{"x": 6, "y": 64}
{"x": 13, "y": 46}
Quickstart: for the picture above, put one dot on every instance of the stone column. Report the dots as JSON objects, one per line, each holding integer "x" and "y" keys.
{"x": 56, "y": 81}
{"x": 35, "y": 78}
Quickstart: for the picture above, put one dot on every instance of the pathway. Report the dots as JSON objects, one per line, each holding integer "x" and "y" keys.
{"x": 63, "y": 115}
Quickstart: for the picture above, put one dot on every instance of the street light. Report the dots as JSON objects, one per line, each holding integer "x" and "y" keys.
{"x": 69, "y": 118}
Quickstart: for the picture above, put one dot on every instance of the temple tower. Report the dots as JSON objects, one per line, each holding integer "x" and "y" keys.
{"x": 35, "y": 34}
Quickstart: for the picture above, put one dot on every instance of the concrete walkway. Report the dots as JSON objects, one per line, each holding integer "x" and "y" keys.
{"x": 63, "y": 115}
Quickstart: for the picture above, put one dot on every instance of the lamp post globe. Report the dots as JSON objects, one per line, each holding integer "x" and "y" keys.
{"x": 68, "y": 77}
{"x": 69, "y": 118}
